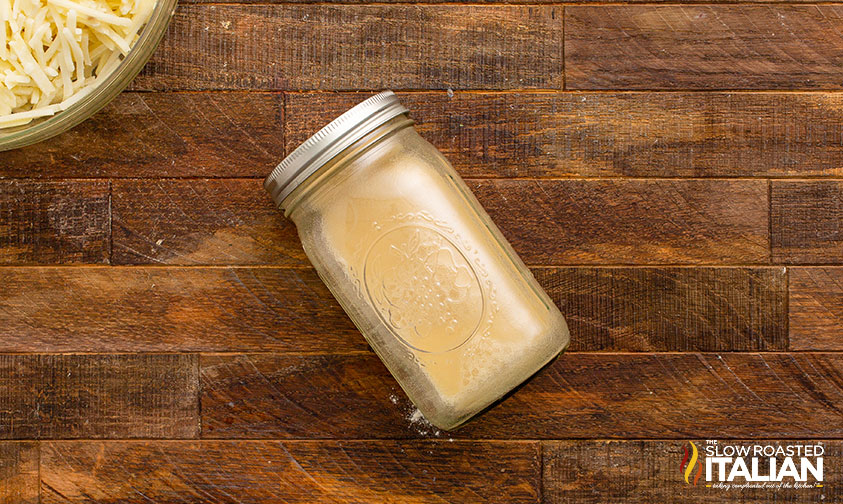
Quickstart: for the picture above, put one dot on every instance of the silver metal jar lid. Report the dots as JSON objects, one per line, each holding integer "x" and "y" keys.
{"x": 330, "y": 141}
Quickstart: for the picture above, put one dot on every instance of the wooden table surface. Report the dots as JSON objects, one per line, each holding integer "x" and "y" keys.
{"x": 673, "y": 174}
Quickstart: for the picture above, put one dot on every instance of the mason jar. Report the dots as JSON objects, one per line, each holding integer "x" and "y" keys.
{"x": 416, "y": 262}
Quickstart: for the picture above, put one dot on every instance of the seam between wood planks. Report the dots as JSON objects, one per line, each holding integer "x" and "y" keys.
{"x": 40, "y": 479}
{"x": 502, "y": 91}
{"x": 536, "y": 3}
{"x": 188, "y": 178}
{"x": 444, "y": 438}
{"x": 786, "y": 308}
{"x": 481, "y": 91}
{"x": 111, "y": 223}
{"x": 441, "y": 439}
{"x": 360, "y": 353}
{"x": 564, "y": 66}
{"x": 541, "y": 472}
{"x": 199, "y": 395}
{"x": 770, "y": 246}
{"x": 645, "y": 178}
{"x": 531, "y": 266}
{"x": 283, "y": 122}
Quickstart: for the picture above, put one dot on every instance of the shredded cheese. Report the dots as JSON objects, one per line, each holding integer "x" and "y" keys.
{"x": 54, "y": 52}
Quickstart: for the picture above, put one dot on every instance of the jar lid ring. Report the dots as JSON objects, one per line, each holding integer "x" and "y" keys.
{"x": 328, "y": 142}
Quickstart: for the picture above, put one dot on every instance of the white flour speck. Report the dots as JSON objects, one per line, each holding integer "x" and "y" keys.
{"x": 416, "y": 416}
{"x": 420, "y": 424}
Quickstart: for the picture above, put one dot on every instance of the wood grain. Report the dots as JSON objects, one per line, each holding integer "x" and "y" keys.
{"x": 642, "y": 472}
{"x": 230, "y": 221}
{"x": 163, "y": 135}
{"x": 638, "y": 134}
{"x": 816, "y": 308}
{"x": 676, "y": 309}
{"x": 149, "y": 309}
{"x": 677, "y": 395}
{"x": 302, "y": 396}
{"x": 152, "y": 309}
{"x": 294, "y": 472}
{"x": 562, "y": 222}
{"x": 98, "y": 396}
{"x": 331, "y": 47}
{"x": 63, "y": 222}
{"x": 549, "y": 222}
{"x": 18, "y": 473}
{"x": 703, "y": 47}
{"x": 806, "y": 221}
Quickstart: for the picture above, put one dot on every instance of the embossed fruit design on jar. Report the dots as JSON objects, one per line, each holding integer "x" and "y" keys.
{"x": 424, "y": 288}
{"x": 416, "y": 262}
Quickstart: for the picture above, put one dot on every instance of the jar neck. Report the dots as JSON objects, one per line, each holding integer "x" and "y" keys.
{"x": 343, "y": 159}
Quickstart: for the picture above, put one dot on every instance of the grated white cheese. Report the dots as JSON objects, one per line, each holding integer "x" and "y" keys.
{"x": 54, "y": 52}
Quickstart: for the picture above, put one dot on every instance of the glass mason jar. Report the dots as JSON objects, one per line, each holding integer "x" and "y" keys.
{"x": 416, "y": 262}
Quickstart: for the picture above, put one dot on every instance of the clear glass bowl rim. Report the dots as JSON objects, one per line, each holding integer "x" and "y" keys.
{"x": 99, "y": 97}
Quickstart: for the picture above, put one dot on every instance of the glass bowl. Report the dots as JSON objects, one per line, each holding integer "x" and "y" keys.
{"x": 43, "y": 128}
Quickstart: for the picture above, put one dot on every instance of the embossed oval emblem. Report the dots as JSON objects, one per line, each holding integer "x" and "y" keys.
{"x": 424, "y": 288}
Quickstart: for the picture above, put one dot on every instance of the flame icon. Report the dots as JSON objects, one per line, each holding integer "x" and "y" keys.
{"x": 686, "y": 470}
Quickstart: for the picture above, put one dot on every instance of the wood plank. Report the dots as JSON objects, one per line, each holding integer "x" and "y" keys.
{"x": 98, "y": 396}
{"x": 358, "y": 47}
{"x": 302, "y": 396}
{"x": 549, "y": 222}
{"x": 18, "y": 473}
{"x": 816, "y": 308}
{"x": 295, "y": 472}
{"x": 640, "y": 134}
{"x": 163, "y": 135}
{"x": 806, "y": 221}
{"x": 63, "y": 222}
{"x": 703, "y": 47}
{"x": 648, "y": 471}
{"x": 674, "y": 309}
{"x": 230, "y": 221}
{"x": 149, "y": 309}
{"x": 562, "y": 222}
{"x": 580, "y": 395}
{"x": 665, "y": 134}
